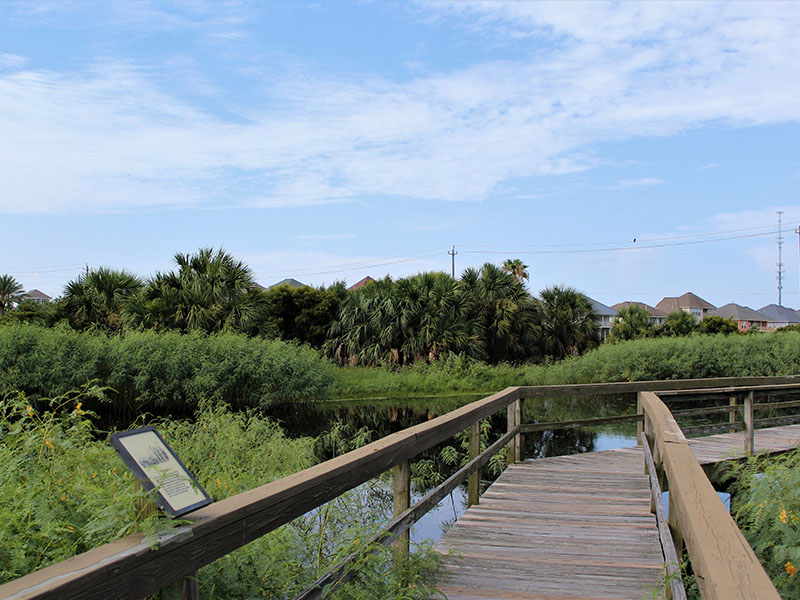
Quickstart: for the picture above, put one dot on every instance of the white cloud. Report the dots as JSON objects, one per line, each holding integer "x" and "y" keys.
{"x": 117, "y": 136}
{"x": 12, "y": 61}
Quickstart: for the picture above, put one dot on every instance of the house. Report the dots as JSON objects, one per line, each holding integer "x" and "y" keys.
{"x": 744, "y": 316}
{"x": 361, "y": 283}
{"x": 688, "y": 302}
{"x": 780, "y": 315}
{"x": 605, "y": 317}
{"x": 657, "y": 316}
{"x": 293, "y": 283}
{"x": 36, "y": 296}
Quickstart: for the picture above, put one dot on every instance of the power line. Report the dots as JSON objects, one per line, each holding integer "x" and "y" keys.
{"x": 601, "y": 250}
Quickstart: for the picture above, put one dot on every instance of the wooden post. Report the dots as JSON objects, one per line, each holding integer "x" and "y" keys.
{"x": 473, "y": 487}
{"x": 519, "y": 441}
{"x": 186, "y": 587}
{"x": 749, "y": 425}
{"x": 511, "y": 417}
{"x": 639, "y": 425}
{"x": 401, "y": 477}
{"x": 675, "y": 526}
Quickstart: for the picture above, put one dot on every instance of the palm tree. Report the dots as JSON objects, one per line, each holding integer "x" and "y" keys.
{"x": 517, "y": 268}
{"x": 10, "y": 291}
{"x": 210, "y": 291}
{"x": 632, "y": 322}
{"x": 501, "y": 313}
{"x": 97, "y": 298}
{"x": 679, "y": 322}
{"x": 567, "y": 322}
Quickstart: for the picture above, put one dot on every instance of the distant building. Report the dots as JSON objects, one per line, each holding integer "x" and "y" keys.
{"x": 293, "y": 283}
{"x": 35, "y": 296}
{"x": 780, "y": 316}
{"x": 657, "y": 316}
{"x": 689, "y": 302}
{"x": 605, "y": 317}
{"x": 359, "y": 284}
{"x": 744, "y": 316}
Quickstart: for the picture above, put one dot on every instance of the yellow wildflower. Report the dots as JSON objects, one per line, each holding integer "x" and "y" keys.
{"x": 790, "y": 568}
{"x": 49, "y": 444}
{"x": 29, "y": 408}
{"x": 78, "y": 408}
{"x": 63, "y": 498}
{"x": 782, "y": 516}
{"x": 219, "y": 483}
{"x": 94, "y": 474}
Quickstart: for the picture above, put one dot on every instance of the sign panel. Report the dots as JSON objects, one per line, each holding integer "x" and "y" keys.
{"x": 159, "y": 469}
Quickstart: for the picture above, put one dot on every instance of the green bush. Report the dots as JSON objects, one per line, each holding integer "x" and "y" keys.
{"x": 766, "y": 506}
{"x": 166, "y": 373}
{"x": 677, "y": 358}
{"x": 64, "y": 491}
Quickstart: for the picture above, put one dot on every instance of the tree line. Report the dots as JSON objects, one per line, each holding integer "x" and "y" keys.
{"x": 486, "y": 314}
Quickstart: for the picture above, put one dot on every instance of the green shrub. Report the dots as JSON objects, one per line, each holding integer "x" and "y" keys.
{"x": 167, "y": 373}
{"x": 766, "y": 506}
{"x": 64, "y": 491}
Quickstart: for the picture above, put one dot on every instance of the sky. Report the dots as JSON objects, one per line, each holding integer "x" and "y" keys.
{"x": 629, "y": 150}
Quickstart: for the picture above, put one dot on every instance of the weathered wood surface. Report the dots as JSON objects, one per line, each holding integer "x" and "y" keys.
{"x": 725, "y": 565}
{"x": 131, "y": 568}
{"x": 717, "y": 448}
{"x": 564, "y": 527}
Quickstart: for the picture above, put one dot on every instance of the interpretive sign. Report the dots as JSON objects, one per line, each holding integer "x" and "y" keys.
{"x": 159, "y": 470}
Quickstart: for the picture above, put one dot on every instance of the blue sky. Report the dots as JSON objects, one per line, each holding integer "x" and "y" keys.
{"x": 327, "y": 141}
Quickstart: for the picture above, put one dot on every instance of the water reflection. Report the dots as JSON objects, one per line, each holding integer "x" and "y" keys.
{"x": 348, "y": 421}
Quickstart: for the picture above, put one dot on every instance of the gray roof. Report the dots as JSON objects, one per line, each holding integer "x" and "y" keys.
{"x": 780, "y": 314}
{"x": 739, "y": 313}
{"x": 290, "y": 282}
{"x": 601, "y": 309}
{"x": 36, "y": 295}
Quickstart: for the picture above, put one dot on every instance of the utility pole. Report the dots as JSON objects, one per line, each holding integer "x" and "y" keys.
{"x": 452, "y": 254}
{"x": 780, "y": 260}
{"x": 797, "y": 231}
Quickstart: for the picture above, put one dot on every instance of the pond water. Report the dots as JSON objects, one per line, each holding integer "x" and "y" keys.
{"x": 337, "y": 424}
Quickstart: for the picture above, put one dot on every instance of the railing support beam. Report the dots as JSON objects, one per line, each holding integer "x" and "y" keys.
{"x": 401, "y": 483}
{"x": 473, "y": 487}
{"x": 749, "y": 425}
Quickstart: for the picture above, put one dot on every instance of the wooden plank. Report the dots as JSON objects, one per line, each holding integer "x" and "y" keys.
{"x": 536, "y": 532}
{"x": 725, "y": 565}
{"x": 632, "y": 387}
{"x": 671, "y": 560}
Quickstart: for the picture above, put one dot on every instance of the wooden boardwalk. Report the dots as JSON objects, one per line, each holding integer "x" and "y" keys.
{"x": 571, "y": 526}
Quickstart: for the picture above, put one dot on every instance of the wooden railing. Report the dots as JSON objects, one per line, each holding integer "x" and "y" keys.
{"x": 724, "y": 564}
{"x": 133, "y": 567}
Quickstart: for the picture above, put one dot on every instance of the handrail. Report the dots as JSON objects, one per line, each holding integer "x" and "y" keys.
{"x": 724, "y": 564}
{"x": 130, "y": 568}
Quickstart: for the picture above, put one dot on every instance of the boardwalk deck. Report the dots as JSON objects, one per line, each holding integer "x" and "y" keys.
{"x": 576, "y": 527}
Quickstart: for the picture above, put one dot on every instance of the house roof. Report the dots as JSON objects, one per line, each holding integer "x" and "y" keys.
{"x": 601, "y": 309}
{"x": 685, "y": 301}
{"x": 655, "y": 312}
{"x": 780, "y": 314}
{"x": 36, "y": 295}
{"x": 739, "y": 313}
{"x": 359, "y": 284}
{"x": 290, "y": 282}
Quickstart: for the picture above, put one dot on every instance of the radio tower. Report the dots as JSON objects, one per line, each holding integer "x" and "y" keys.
{"x": 780, "y": 259}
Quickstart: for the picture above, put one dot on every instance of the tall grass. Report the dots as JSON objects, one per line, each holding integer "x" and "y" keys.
{"x": 63, "y": 490}
{"x": 166, "y": 373}
{"x": 637, "y": 360}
